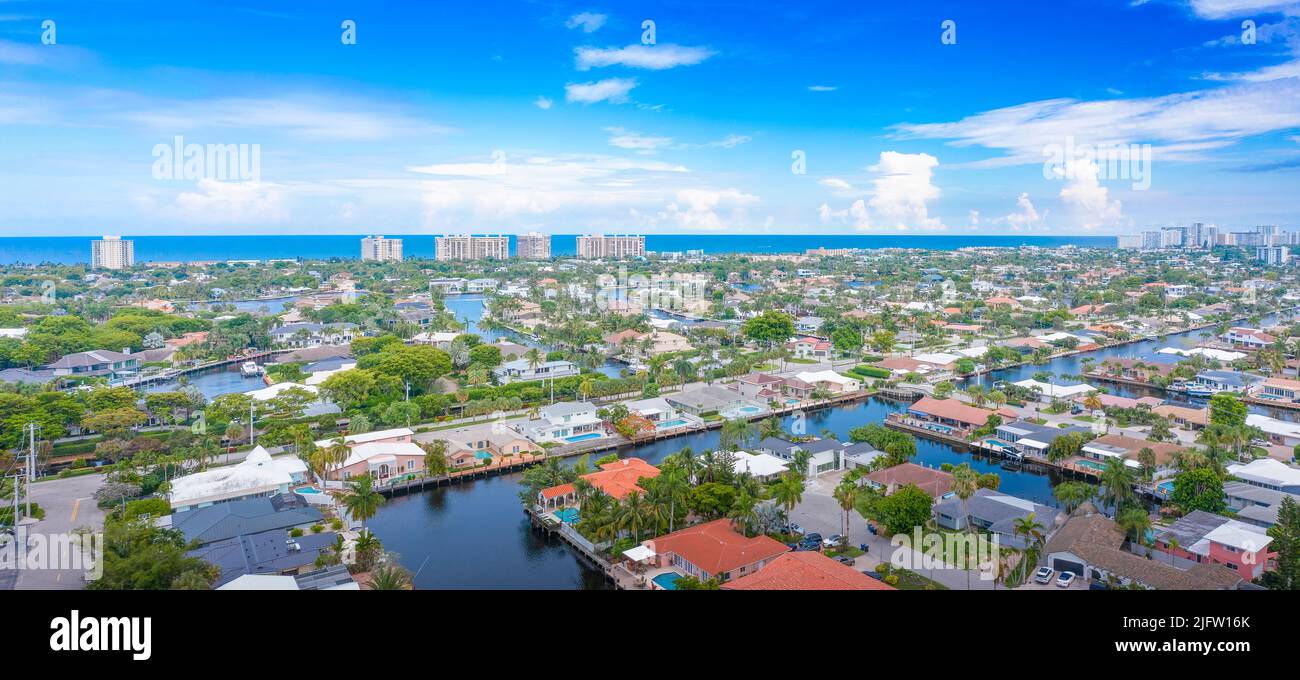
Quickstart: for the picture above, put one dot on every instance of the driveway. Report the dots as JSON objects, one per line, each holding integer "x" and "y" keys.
{"x": 68, "y": 504}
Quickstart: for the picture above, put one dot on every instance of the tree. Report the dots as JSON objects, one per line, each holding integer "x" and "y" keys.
{"x": 846, "y": 494}
{"x": 1227, "y": 410}
{"x": 362, "y": 500}
{"x": 788, "y": 491}
{"x": 141, "y": 556}
{"x": 435, "y": 458}
{"x": 965, "y": 481}
{"x": 769, "y": 328}
{"x": 1073, "y": 494}
{"x": 389, "y": 574}
{"x": 1116, "y": 482}
{"x": 1065, "y": 446}
{"x": 943, "y": 390}
{"x": 1135, "y": 522}
{"x": 1286, "y": 542}
{"x": 883, "y": 340}
{"x": 1199, "y": 489}
{"x": 906, "y": 508}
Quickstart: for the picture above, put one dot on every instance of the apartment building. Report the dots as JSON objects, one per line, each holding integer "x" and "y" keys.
{"x": 380, "y": 249}
{"x": 112, "y": 252}
{"x": 533, "y": 246}
{"x": 466, "y": 247}
{"x": 593, "y": 247}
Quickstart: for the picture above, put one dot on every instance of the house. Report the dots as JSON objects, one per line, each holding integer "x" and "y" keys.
{"x": 1278, "y": 389}
{"x": 564, "y": 422}
{"x": 1025, "y": 438}
{"x": 1255, "y": 504}
{"x": 397, "y": 434}
{"x": 758, "y": 386}
{"x": 520, "y": 370}
{"x": 336, "y": 577}
{"x": 808, "y": 324}
{"x": 832, "y": 382}
{"x": 1204, "y": 537}
{"x": 1048, "y": 392}
{"x": 934, "y": 482}
{"x": 1281, "y": 432}
{"x": 994, "y": 512}
{"x": 658, "y": 411}
{"x": 256, "y": 475}
{"x": 714, "y": 550}
{"x": 809, "y": 348}
{"x": 284, "y": 511}
{"x": 484, "y": 442}
{"x": 272, "y": 552}
{"x": 1129, "y": 449}
{"x": 948, "y": 416}
{"x": 95, "y": 363}
{"x": 860, "y": 455}
{"x": 825, "y": 455}
{"x": 761, "y": 466}
{"x": 1090, "y": 546}
{"x": 806, "y": 570}
{"x": 1268, "y": 473}
{"x": 714, "y": 399}
{"x": 618, "y": 479}
{"x": 314, "y": 334}
{"x": 1183, "y": 416}
{"x": 1247, "y": 338}
{"x": 1222, "y": 381}
{"x": 386, "y": 462}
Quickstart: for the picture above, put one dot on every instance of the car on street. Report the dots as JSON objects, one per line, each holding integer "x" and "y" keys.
{"x": 1065, "y": 579}
{"x": 1044, "y": 575}
{"x": 795, "y": 529}
{"x": 845, "y": 559}
{"x": 832, "y": 541}
{"x": 814, "y": 537}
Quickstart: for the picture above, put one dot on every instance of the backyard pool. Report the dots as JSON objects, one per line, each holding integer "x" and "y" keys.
{"x": 482, "y": 455}
{"x": 742, "y": 411}
{"x": 671, "y": 423}
{"x": 583, "y": 437}
{"x": 568, "y": 515}
{"x": 1092, "y": 465}
{"x": 667, "y": 580}
{"x": 307, "y": 489}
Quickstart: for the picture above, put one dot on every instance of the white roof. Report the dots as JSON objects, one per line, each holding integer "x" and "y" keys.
{"x": 318, "y": 377}
{"x": 378, "y": 450}
{"x": 1207, "y": 352}
{"x": 1240, "y": 535}
{"x": 824, "y": 376}
{"x": 940, "y": 358}
{"x": 273, "y": 391}
{"x": 1058, "y": 337}
{"x": 377, "y": 435}
{"x": 1267, "y": 470}
{"x": 759, "y": 464}
{"x": 974, "y": 352}
{"x": 1274, "y": 426}
{"x": 1062, "y": 391}
{"x": 638, "y": 553}
{"x": 261, "y": 582}
{"x": 256, "y": 474}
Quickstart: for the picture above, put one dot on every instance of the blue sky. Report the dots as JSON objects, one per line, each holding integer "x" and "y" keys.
{"x": 558, "y": 117}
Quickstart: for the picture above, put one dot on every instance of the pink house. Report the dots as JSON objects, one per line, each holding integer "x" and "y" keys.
{"x": 1207, "y": 538}
{"x": 385, "y": 455}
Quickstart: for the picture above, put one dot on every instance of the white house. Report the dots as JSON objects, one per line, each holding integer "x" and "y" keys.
{"x": 521, "y": 371}
{"x": 564, "y": 422}
{"x": 830, "y": 380}
{"x": 257, "y": 475}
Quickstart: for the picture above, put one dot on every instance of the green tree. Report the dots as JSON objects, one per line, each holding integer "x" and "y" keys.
{"x": 769, "y": 328}
{"x": 1286, "y": 543}
{"x": 1199, "y": 489}
{"x": 362, "y": 500}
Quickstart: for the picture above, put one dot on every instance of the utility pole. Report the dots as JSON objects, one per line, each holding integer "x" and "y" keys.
{"x": 251, "y": 432}
{"x": 31, "y": 470}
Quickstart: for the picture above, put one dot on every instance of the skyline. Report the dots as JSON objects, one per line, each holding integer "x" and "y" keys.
{"x": 556, "y": 117}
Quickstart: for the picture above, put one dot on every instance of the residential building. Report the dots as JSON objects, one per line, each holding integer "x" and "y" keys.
{"x": 1024, "y": 438}
{"x": 336, "y": 577}
{"x": 832, "y": 382}
{"x": 533, "y": 246}
{"x": 1273, "y": 255}
{"x": 593, "y": 247}
{"x": 1268, "y": 473}
{"x": 112, "y": 252}
{"x": 934, "y": 482}
{"x": 1255, "y": 504}
{"x": 95, "y": 363}
{"x": 1248, "y": 338}
{"x": 945, "y": 416}
{"x": 994, "y": 512}
{"x": 257, "y": 475}
{"x": 520, "y": 370}
{"x": 564, "y": 422}
{"x": 314, "y": 334}
{"x": 617, "y": 478}
{"x": 380, "y": 249}
{"x": 806, "y": 570}
{"x": 714, "y": 550}
{"x": 466, "y": 247}
{"x": 1204, "y": 537}
{"x": 810, "y": 348}
{"x": 284, "y": 511}
{"x": 269, "y": 552}
{"x": 476, "y": 444}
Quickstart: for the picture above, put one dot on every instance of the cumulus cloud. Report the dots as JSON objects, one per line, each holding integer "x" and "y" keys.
{"x": 1224, "y": 9}
{"x": 1088, "y": 200}
{"x": 1026, "y": 216}
{"x": 543, "y": 103}
{"x": 613, "y": 90}
{"x": 699, "y": 208}
{"x": 215, "y": 202}
{"x": 652, "y": 57}
{"x": 589, "y": 22}
{"x": 902, "y": 189}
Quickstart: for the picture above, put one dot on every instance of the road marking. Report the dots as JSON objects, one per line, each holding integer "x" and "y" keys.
{"x": 75, "y": 507}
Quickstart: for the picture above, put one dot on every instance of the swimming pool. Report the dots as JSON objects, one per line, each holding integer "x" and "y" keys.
{"x": 568, "y": 515}
{"x": 667, "y": 580}
{"x": 742, "y": 411}
{"x": 1166, "y": 487}
{"x": 307, "y": 489}
{"x": 671, "y": 423}
{"x": 483, "y": 455}
{"x": 583, "y": 437}
{"x": 1092, "y": 465}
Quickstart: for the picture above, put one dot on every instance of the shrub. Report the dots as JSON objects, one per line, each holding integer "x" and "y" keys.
{"x": 317, "y": 528}
{"x": 296, "y": 532}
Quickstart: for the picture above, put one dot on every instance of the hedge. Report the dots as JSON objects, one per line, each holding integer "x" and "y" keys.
{"x": 871, "y": 371}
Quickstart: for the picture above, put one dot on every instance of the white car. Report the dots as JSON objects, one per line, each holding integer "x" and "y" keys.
{"x": 1065, "y": 579}
{"x": 1044, "y": 575}
{"x": 832, "y": 541}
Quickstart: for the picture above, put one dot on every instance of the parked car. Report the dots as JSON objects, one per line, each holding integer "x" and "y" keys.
{"x": 845, "y": 559}
{"x": 1044, "y": 575}
{"x": 873, "y": 574}
{"x": 1097, "y": 585}
{"x": 1065, "y": 579}
{"x": 795, "y": 529}
{"x": 832, "y": 541}
{"x": 814, "y": 537}
{"x": 810, "y": 545}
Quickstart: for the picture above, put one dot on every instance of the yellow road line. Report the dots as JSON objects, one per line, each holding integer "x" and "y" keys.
{"x": 75, "y": 507}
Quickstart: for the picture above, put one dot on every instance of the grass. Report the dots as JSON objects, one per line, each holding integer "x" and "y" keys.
{"x": 910, "y": 580}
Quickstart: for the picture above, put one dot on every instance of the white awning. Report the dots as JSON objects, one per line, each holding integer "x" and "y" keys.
{"x": 639, "y": 553}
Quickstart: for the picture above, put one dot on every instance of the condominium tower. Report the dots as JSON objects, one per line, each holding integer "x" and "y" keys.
{"x": 112, "y": 252}
{"x": 533, "y": 246}
{"x": 597, "y": 247}
{"x": 468, "y": 247}
{"x": 381, "y": 249}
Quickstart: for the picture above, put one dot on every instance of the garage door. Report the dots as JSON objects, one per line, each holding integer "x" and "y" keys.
{"x": 1067, "y": 565}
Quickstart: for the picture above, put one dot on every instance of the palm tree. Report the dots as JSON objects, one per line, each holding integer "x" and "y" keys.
{"x": 672, "y": 480}
{"x": 1117, "y": 483}
{"x": 337, "y": 452}
{"x": 737, "y": 433}
{"x": 846, "y": 494}
{"x": 965, "y": 481}
{"x": 631, "y": 515}
{"x": 788, "y": 491}
{"x": 1135, "y": 522}
{"x": 366, "y": 547}
{"x": 389, "y": 575}
{"x": 1072, "y": 494}
{"x": 742, "y": 511}
{"x": 362, "y": 500}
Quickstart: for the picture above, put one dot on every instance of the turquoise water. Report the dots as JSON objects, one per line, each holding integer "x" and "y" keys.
{"x": 1092, "y": 464}
{"x": 667, "y": 580}
{"x": 583, "y": 437}
{"x": 671, "y": 423}
{"x": 307, "y": 489}
{"x": 483, "y": 455}
{"x": 568, "y": 515}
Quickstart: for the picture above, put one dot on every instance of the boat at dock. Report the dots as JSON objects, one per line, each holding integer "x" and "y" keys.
{"x": 250, "y": 369}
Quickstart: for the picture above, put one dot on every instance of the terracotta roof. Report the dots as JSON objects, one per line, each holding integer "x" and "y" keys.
{"x": 617, "y": 478}
{"x": 952, "y": 410}
{"x": 717, "y": 548}
{"x": 934, "y": 482}
{"x": 806, "y": 570}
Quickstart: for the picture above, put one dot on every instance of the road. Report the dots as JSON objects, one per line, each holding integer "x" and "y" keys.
{"x": 68, "y": 504}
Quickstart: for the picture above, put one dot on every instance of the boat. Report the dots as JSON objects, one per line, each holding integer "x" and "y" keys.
{"x": 1202, "y": 391}
{"x": 250, "y": 369}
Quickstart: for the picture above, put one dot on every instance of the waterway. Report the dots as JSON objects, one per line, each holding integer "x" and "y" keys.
{"x": 475, "y": 535}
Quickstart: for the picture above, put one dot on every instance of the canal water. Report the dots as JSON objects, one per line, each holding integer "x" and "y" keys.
{"x": 476, "y": 535}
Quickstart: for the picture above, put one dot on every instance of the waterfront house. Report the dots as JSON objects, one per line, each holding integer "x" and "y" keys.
{"x": 1255, "y": 504}
{"x": 1134, "y": 369}
{"x": 934, "y": 482}
{"x": 449, "y": 286}
{"x": 825, "y": 455}
{"x": 95, "y": 363}
{"x": 1278, "y": 389}
{"x": 758, "y": 386}
{"x": 1090, "y": 546}
{"x": 314, "y": 334}
{"x": 520, "y": 370}
{"x": 832, "y": 382}
{"x": 284, "y": 511}
{"x": 564, "y": 422}
{"x": 1048, "y": 392}
{"x": 1268, "y": 473}
{"x": 1248, "y": 338}
{"x": 993, "y": 512}
{"x": 1021, "y": 438}
{"x": 618, "y": 479}
{"x": 483, "y": 442}
{"x": 809, "y": 348}
{"x": 761, "y": 466}
{"x": 713, "y": 550}
{"x": 397, "y": 434}
{"x": 1183, "y": 416}
{"x": 336, "y": 577}
{"x": 255, "y": 476}
{"x": 1202, "y": 537}
{"x": 386, "y": 462}
{"x": 806, "y": 570}
{"x": 658, "y": 411}
{"x": 272, "y": 552}
{"x": 1222, "y": 381}
{"x": 946, "y": 416}
{"x": 708, "y": 400}
{"x": 1128, "y": 449}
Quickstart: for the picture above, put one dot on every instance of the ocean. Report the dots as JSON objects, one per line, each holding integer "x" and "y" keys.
{"x": 76, "y": 249}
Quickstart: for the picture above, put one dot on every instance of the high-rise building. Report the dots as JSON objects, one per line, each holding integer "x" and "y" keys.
{"x": 112, "y": 252}
{"x": 381, "y": 249}
{"x": 1151, "y": 240}
{"x": 466, "y": 247}
{"x": 1172, "y": 237}
{"x": 533, "y": 246}
{"x": 1273, "y": 255}
{"x": 594, "y": 247}
{"x": 1130, "y": 241}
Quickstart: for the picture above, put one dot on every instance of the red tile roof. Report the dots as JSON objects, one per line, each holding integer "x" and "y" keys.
{"x": 717, "y": 548}
{"x": 806, "y": 570}
{"x": 617, "y": 478}
{"x": 952, "y": 410}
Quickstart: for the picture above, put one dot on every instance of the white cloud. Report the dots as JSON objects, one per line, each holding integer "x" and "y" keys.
{"x": 835, "y": 183}
{"x": 626, "y": 139}
{"x": 902, "y": 190}
{"x": 698, "y": 208}
{"x": 1026, "y": 216}
{"x": 613, "y": 90}
{"x": 231, "y": 203}
{"x": 729, "y": 142}
{"x": 589, "y": 22}
{"x": 653, "y": 57}
{"x": 823, "y": 88}
{"x": 854, "y": 215}
{"x": 542, "y": 103}
{"x": 1223, "y": 9}
{"x": 1087, "y": 198}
